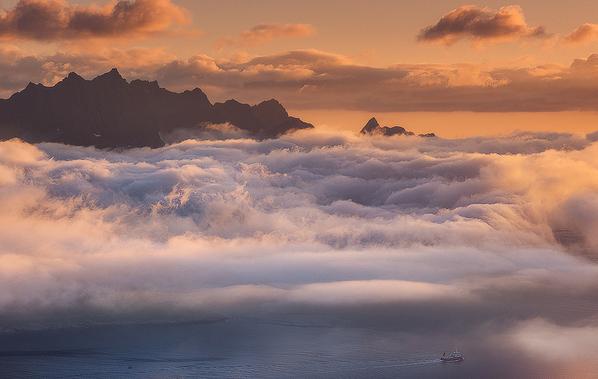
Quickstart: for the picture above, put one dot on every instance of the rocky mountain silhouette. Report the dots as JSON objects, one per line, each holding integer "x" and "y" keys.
{"x": 108, "y": 112}
{"x": 372, "y": 127}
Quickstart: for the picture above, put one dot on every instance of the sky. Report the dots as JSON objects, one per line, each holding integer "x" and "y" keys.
{"x": 378, "y": 33}
{"x": 382, "y": 33}
{"x": 489, "y": 68}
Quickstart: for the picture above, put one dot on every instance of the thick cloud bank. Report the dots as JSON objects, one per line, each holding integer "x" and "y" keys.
{"x": 430, "y": 234}
{"x": 49, "y": 20}
{"x": 312, "y": 79}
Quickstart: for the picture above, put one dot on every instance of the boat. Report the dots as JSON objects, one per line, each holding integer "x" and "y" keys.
{"x": 455, "y": 356}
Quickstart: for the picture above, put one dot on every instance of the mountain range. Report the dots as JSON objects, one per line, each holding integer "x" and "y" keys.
{"x": 109, "y": 112}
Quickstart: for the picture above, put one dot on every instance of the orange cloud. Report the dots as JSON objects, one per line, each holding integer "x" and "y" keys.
{"x": 481, "y": 24}
{"x": 59, "y": 20}
{"x": 264, "y": 33}
{"x": 584, "y": 33}
{"x": 312, "y": 79}
{"x": 17, "y": 68}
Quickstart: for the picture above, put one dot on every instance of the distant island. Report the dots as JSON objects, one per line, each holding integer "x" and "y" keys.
{"x": 110, "y": 112}
{"x": 372, "y": 127}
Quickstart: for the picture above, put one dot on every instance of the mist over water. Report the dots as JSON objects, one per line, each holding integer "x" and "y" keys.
{"x": 327, "y": 255}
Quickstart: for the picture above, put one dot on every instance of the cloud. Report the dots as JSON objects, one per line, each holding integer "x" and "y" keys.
{"x": 18, "y": 68}
{"x": 583, "y": 34}
{"x": 556, "y": 343}
{"x": 312, "y": 79}
{"x": 50, "y": 20}
{"x": 318, "y": 80}
{"x": 481, "y": 24}
{"x": 264, "y": 33}
{"x": 209, "y": 131}
{"x": 426, "y": 232}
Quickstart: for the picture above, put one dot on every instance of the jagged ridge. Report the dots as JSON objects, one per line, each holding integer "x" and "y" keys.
{"x": 108, "y": 111}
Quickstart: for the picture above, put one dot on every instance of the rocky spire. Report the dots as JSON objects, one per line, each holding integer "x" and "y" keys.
{"x": 371, "y": 126}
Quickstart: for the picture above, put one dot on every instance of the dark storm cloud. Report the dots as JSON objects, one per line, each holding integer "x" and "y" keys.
{"x": 59, "y": 20}
{"x": 481, "y": 24}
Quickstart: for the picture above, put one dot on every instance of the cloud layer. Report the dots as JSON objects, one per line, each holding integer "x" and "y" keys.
{"x": 49, "y": 20}
{"x": 312, "y": 79}
{"x": 481, "y": 24}
{"x": 325, "y": 223}
{"x": 319, "y": 80}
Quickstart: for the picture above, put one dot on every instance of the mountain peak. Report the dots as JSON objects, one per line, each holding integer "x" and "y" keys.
{"x": 74, "y": 76}
{"x": 71, "y": 78}
{"x": 145, "y": 84}
{"x": 112, "y": 75}
{"x": 30, "y": 86}
{"x": 270, "y": 102}
{"x": 373, "y": 128}
{"x": 196, "y": 91}
{"x": 270, "y": 112}
{"x": 370, "y": 126}
{"x": 114, "y": 72}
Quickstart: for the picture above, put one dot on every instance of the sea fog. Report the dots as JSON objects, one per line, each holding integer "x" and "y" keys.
{"x": 315, "y": 254}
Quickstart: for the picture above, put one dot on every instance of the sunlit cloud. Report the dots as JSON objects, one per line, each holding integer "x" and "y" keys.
{"x": 583, "y": 34}
{"x": 51, "y": 20}
{"x": 481, "y": 24}
{"x": 313, "y": 79}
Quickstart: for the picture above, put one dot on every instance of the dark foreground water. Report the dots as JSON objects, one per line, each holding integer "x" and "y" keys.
{"x": 249, "y": 348}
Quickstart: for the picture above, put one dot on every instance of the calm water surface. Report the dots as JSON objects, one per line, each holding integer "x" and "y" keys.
{"x": 242, "y": 348}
